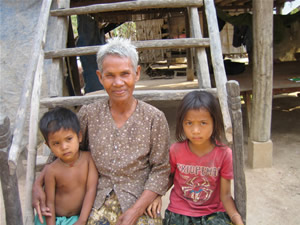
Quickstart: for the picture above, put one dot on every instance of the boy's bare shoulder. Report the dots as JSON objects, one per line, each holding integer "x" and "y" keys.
{"x": 52, "y": 167}
{"x": 86, "y": 154}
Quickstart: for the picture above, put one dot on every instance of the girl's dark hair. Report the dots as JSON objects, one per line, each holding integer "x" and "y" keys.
{"x": 196, "y": 100}
{"x": 56, "y": 119}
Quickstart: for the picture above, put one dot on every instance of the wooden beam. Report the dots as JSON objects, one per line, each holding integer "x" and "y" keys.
{"x": 144, "y": 95}
{"x": 218, "y": 64}
{"x": 32, "y": 143}
{"x": 134, "y": 5}
{"x": 141, "y": 45}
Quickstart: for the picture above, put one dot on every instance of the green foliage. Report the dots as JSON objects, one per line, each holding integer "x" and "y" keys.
{"x": 74, "y": 25}
{"x": 126, "y": 30}
{"x": 295, "y": 10}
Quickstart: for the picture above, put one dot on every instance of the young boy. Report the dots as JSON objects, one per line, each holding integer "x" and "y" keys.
{"x": 70, "y": 180}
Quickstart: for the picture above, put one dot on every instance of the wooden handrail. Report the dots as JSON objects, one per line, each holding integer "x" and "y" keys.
{"x": 234, "y": 104}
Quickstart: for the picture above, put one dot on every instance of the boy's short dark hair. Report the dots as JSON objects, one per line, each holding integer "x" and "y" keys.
{"x": 56, "y": 119}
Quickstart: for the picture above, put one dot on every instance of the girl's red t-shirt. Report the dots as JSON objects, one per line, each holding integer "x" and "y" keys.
{"x": 196, "y": 190}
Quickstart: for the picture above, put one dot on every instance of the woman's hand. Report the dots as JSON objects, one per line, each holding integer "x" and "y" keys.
{"x": 39, "y": 202}
{"x": 39, "y": 197}
{"x": 154, "y": 208}
{"x": 130, "y": 217}
{"x": 79, "y": 222}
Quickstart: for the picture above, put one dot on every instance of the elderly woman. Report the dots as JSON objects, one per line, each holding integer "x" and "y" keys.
{"x": 128, "y": 140}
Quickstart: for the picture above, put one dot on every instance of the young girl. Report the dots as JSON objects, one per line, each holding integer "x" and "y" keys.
{"x": 201, "y": 167}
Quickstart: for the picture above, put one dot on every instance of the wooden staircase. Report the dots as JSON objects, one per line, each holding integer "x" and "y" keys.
{"x": 196, "y": 42}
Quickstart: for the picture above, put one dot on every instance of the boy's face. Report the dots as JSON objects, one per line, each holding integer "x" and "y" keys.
{"x": 65, "y": 144}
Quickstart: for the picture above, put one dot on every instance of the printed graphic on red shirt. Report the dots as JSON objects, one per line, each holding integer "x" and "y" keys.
{"x": 195, "y": 183}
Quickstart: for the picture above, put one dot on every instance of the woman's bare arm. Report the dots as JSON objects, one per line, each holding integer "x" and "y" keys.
{"x": 50, "y": 195}
{"x": 39, "y": 197}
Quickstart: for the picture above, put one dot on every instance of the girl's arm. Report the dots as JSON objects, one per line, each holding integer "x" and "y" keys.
{"x": 50, "y": 195}
{"x": 228, "y": 202}
{"x": 90, "y": 194}
{"x": 155, "y": 207}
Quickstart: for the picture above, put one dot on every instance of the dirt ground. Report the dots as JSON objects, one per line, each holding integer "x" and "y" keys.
{"x": 273, "y": 194}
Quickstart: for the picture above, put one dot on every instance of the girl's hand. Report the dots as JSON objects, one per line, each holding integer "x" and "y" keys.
{"x": 154, "y": 208}
{"x": 236, "y": 219}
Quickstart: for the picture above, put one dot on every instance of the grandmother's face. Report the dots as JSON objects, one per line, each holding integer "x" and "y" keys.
{"x": 118, "y": 77}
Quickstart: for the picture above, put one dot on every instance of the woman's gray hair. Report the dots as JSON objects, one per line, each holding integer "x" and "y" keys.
{"x": 118, "y": 46}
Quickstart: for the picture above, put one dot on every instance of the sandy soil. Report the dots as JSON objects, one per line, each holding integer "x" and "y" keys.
{"x": 273, "y": 194}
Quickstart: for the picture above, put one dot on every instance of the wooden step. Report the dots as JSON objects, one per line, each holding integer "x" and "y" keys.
{"x": 127, "y": 6}
{"x": 141, "y": 45}
{"x": 144, "y": 95}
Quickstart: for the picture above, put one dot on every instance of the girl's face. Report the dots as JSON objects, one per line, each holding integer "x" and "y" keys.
{"x": 198, "y": 127}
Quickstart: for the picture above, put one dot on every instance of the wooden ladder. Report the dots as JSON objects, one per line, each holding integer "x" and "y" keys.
{"x": 231, "y": 111}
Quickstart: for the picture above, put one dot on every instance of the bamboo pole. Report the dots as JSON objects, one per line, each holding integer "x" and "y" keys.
{"x": 140, "y": 45}
{"x": 132, "y": 5}
{"x": 16, "y": 149}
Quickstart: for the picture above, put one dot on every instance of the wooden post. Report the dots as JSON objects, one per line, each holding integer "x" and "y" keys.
{"x": 234, "y": 104}
{"x": 260, "y": 128}
{"x": 189, "y": 54}
{"x": 200, "y": 54}
{"x": 9, "y": 182}
{"x": 58, "y": 25}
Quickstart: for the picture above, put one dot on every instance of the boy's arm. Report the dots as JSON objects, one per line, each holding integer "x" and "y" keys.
{"x": 50, "y": 195}
{"x": 90, "y": 194}
{"x": 228, "y": 202}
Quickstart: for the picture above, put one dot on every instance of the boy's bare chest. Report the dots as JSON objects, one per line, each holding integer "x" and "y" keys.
{"x": 71, "y": 178}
